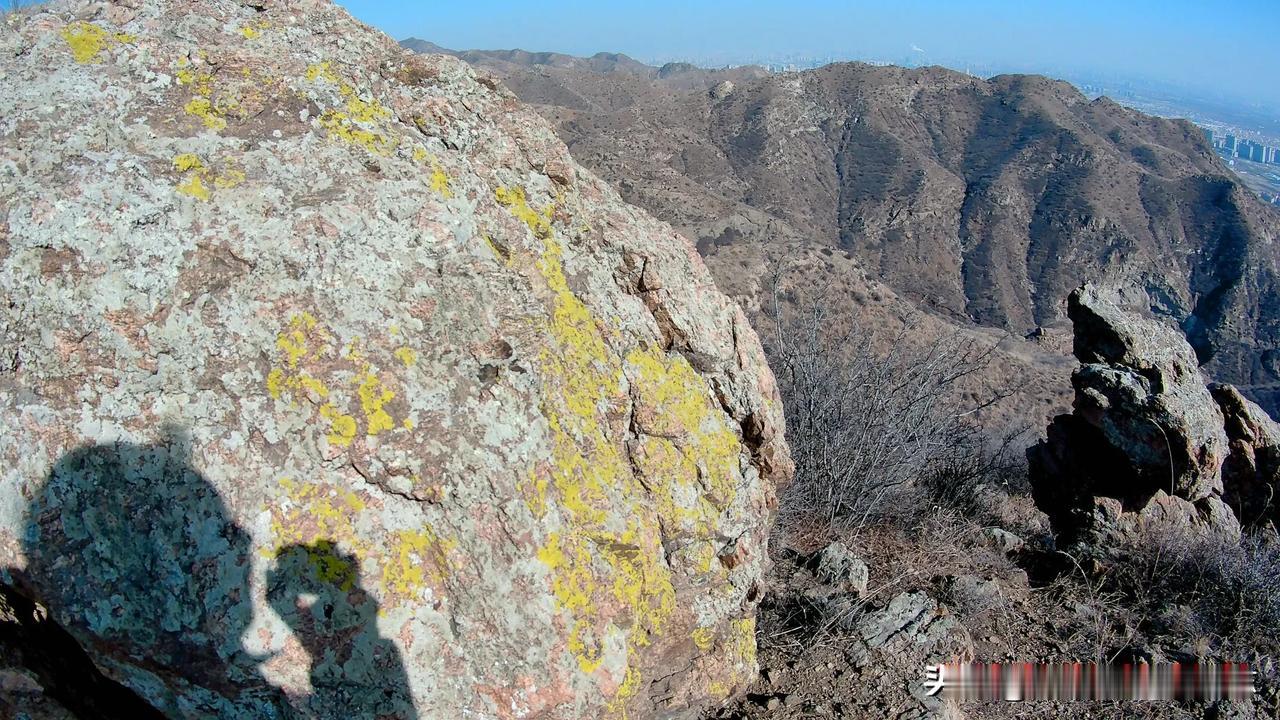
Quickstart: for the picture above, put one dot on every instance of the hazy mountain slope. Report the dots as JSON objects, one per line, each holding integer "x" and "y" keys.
{"x": 985, "y": 201}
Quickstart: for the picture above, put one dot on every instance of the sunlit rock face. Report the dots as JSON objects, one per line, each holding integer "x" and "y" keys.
{"x": 334, "y": 388}
{"x": 1145, "y": 444}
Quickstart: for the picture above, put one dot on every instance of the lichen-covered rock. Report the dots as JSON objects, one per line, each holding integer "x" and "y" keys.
{"x": 332, "y": 383}
{"x": 1251, "y": 474}
{"x": 1003, "y": 540}
{"x": 838, "y": 565}
{"x": 45, "y": 673}
{"x": 1144, "y": 427}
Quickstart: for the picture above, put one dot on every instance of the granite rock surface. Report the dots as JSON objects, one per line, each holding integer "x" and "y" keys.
{"x": 331, "y": 382}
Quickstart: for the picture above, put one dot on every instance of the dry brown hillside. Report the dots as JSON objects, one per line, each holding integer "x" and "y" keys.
{"x": 981, "y": 202}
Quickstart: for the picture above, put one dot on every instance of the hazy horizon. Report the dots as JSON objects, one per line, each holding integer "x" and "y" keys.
{"x": 1223, "y": 51}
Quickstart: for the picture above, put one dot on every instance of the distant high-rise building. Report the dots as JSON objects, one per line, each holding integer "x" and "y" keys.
{"x": 1230, "y": 145}
{"x": 1255, "y": 152}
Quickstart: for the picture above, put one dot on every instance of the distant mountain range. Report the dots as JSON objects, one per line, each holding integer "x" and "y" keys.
{"x": 982, "y": 202}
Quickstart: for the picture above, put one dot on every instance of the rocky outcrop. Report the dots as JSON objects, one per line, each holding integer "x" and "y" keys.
{"x": 333, "y": 387}
{"x": 1251, "y": 474}
{"x": 1145, "y": 443}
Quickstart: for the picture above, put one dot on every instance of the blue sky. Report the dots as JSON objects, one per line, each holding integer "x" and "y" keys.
{"x": 1230, "y": 46}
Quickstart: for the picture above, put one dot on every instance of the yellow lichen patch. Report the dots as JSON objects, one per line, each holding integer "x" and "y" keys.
{"x": 744, "y": 640}
{"x": 718, "y": 689}
{"x": 306, "y": 350}
{"x": 703, "y": 638}
{"x": 417, "y": 558}
{"x": 364, "y": 111}
{"x": 707, "y": 559}
{"x": 203, "y": 108}
{"x": 361, "y": 122}
{"x": 194, "y": 186}
{"x": 617, "y": 706}
{"x": 229, "y": 178}
{"x": 342, "y": 427}
{"x": 687, "y": 437}
{"x": 574, "y": 586}
{"x": 330, "y": 567}
{"x": 440, "y": 182}
{"x": 515, "y": 201}
{"x": 199, "y": 176}
{"x": 187, "y": 161}
{"x": 321, "y": 70}
{"x": 534, "y": 492}
{"x": 211, "y": 107}
{"x": 407, "y": 356}
{"x": 293, "y": 341}
{"x": 606, "y": 568}
{"x": 85, "y": 40}
{"x": 253, "y": 30}
{"x": 374, "y": 397}
{"x": 324, "y": 518}
{"x": 341, "y": 126}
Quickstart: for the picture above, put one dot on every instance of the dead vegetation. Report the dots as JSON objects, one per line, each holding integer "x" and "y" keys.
{"x": 872, "y": 420}
{"x": 891, "y": 471}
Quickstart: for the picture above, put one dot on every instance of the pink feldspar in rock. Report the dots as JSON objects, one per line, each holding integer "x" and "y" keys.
{"x": 332, "y": 384}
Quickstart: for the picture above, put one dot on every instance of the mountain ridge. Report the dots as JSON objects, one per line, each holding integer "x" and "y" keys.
{"x": 985, "y": 201}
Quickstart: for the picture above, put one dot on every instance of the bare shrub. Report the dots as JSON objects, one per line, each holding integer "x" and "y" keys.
{"x": 1211, "y": 594}
{"x": 975, "y": 466}
{"x": 866, "y": 424}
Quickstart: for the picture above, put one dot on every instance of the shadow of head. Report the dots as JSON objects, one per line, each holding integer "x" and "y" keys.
{"x": 315, "y": 589}
{"x": 135, "y": 553}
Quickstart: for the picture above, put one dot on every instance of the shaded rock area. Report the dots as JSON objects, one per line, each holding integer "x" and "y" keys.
{"x": 60, "y": 680}
{"x": 335, "y": 388}
{"x": 1148, "y": 441}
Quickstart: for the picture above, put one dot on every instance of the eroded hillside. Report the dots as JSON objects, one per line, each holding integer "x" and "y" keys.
{"x": 985, "y": 202}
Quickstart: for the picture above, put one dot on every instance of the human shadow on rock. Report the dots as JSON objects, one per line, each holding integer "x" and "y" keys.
{"x": 142, "y": 569}
{"x": 135, "y": 555}
{"x": 355, "y": 673}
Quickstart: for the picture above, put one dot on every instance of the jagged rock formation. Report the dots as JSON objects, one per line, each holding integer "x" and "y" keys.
{"x": 1251, "y": 474}
{"x": 1148, "y": 442}
{"x": 986, "y": 201}
{"x": 333, "y": 387}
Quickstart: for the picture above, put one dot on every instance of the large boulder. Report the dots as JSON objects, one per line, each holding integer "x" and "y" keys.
{"x": 333, "y": 387}
{"x": 1145, "y": 433}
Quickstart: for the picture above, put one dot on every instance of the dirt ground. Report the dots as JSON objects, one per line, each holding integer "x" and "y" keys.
{"x": 943, "y": 589}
